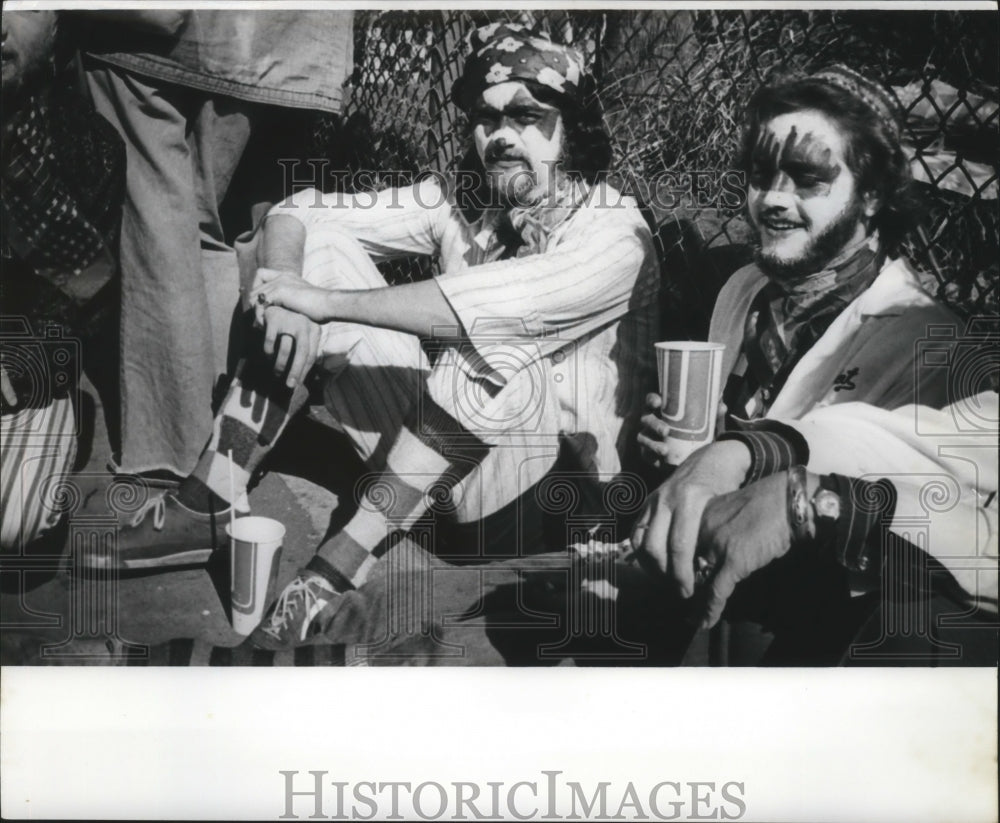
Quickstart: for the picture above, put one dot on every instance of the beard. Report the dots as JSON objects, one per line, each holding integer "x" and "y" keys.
{"x": 24, "y": 75}
{"x": 523, "y": 188}
{"x": 515, "y": 190}
{"x": 818, "y": 253}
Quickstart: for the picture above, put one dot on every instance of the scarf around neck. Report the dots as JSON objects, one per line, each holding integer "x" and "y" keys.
{"x": 522, "y": 231}
{"x": 787, "y": 318}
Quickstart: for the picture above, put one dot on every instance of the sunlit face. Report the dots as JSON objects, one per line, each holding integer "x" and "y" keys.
{"x": 803, "y": 199}
{"x": 518, "y": 139}
{"x": 26, "y": 45}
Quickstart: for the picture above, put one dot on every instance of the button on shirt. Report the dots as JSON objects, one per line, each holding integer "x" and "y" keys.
{"x": 575, "y": 324}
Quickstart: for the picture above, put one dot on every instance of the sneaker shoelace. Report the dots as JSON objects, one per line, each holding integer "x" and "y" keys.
{"x": 299, "y": 590}
{"x": 158, "y": 505}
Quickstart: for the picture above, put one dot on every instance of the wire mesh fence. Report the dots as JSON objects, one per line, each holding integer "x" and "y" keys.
{"x": 673, "y": 85}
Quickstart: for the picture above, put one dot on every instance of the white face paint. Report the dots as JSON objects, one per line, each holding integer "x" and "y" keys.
{"x": 803, "y": 200}
{"x": 518, "y": 139}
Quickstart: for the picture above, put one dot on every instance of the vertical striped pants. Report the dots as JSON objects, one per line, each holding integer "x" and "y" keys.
{"x": 428, "y": 430}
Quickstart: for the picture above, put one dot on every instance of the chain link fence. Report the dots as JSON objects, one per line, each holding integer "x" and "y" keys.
{"x": 672, "y": 86}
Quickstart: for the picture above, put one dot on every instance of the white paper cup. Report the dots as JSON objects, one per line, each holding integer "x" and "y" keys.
{"x": 254, "y": 549}
{"x": 690, "y": 375}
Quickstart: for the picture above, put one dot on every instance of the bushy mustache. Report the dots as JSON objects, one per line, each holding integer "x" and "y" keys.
{"x": 499, "y": 150}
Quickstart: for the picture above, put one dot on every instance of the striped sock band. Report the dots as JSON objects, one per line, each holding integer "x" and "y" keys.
{"x": 418, "y": 471}
{"x": 247, "y": 425}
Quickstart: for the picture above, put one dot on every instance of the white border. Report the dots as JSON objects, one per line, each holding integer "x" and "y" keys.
{"x": 808, "y": 745}
{"x": 576, "y": 5}
{"x": 832, "y": 745}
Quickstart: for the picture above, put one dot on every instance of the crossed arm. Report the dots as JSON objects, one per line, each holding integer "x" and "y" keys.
{"x": 568, "y": 292}
{"x": 290, "y": 310}
{"x": 701, "y": 517}
{"x": 414, "y": 308}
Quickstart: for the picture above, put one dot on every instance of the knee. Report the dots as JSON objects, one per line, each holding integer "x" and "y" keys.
{"x": 334, "y": 258}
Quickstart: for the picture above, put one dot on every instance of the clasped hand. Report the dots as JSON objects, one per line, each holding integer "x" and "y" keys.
{"x": 290, "y": 335}
{"x": 701, "y": 527}
{"x": 272, "y": 287}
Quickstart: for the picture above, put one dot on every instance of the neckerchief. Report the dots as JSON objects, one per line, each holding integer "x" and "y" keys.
{"x": 522, "y": 231}
{"x": 785, "y": 321}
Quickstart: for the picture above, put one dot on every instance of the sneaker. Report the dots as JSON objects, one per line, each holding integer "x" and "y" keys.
{"x": 301, "y": 613}
{"x": 162, "y": 533}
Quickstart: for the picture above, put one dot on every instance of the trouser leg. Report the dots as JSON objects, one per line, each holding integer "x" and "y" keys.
{"x": 421, "y": 429}
{"x": 180, "y": 157}
{"x": 373, "y": 377}
{"x": 410, "y": 423}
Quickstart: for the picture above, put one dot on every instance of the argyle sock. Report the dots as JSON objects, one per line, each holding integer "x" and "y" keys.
{"x": 248, "y": 423}
{"x": 432, "y": 453}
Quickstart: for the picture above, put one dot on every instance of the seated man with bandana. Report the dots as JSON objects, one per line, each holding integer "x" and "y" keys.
{"x": 850, "y": 397}
{"x": 533, "y": 345}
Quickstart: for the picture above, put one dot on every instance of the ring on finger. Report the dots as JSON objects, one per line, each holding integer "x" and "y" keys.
{"x": 703, "y": 571}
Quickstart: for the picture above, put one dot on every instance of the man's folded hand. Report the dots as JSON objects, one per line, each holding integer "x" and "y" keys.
{"x": 293, "y": 340}
{"x": 741, "y": 531}
{"x": 666, "y": 535}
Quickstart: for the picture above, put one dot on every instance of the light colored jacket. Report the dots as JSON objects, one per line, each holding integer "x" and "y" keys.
{"x": 890, "y": 391}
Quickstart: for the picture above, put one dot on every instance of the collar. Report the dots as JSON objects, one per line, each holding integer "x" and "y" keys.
{"x": 486, "y": 228}
{"x": 896, "y": 289}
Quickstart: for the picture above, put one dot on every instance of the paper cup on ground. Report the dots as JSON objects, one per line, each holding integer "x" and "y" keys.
{"x": 690, "y": 381}
{"x": 254, "y": 548}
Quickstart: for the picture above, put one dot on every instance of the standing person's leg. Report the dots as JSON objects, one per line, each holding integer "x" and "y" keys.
{"x": 374, "y": 378}
{"x": 181, "y": 154}
{"x": 221, "y": 129}
{"x": 166, "y": 378}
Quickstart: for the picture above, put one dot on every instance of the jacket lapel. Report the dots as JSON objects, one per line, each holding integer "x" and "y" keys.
{"x": 890, "y": 294}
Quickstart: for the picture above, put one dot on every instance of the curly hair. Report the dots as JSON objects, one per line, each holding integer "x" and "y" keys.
{"x": 587, "y": 144}
{"x": 872, "y": 152}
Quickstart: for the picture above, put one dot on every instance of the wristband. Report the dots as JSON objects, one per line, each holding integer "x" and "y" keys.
{"x": 774, "y": 447}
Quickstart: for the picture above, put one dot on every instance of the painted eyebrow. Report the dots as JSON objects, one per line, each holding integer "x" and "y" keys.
{"x": 808, "y": 164}
{"x": 515, "y": 109}
{"x": 761, "y": 157}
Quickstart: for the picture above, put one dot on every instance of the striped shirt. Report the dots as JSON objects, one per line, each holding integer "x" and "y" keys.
{"x": 583, "y": 314}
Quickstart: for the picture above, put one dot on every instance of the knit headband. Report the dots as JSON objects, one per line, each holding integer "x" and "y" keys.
{"x": 872, "y": 94}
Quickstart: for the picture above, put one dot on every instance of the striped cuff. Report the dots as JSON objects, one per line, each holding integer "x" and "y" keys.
{"x": 774, "y": 447}
{"x": 319, "y": 566}
{"x": 440, "y": 431}
{"x": 857, "y": 540}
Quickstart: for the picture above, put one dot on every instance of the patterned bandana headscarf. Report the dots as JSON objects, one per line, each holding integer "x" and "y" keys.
{"x": 502, "y": 52}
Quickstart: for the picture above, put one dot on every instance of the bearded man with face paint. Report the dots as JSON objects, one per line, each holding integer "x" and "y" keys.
{"x": 539, "y": 331}
{"x": 792, "y": 517}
